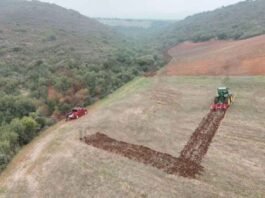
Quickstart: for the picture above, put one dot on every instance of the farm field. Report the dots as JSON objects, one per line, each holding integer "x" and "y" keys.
{"x": 243, "y": 57}
{"x": 161, "y": 114}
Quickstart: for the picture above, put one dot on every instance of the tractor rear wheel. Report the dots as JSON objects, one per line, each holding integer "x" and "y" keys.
{"x": 227, "y": 101}
{"x": 215, "y": 100}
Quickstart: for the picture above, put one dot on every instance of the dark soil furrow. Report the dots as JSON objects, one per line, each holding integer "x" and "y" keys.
{"x": 163, "y": 161}
{"x": 187, "y": 165}
{"x": 200, "y": 140}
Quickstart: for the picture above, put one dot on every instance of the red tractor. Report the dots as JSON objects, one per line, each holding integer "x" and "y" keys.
{"x": 76, "y": 113}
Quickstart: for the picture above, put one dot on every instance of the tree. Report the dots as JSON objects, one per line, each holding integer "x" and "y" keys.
{"x": 4, "y": 153}
{"x": 15, "y": 107}
{"x": 222, "y": 36}
{"x": 146, "y": 60}
{"x": 30, "y": 128}
{"x": 8, "y": 144}
{"x": 7, "y": 134}
{"x": 63, "y": 84}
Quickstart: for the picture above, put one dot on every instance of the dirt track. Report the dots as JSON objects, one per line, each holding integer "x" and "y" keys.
{"x": 187, "y": 165}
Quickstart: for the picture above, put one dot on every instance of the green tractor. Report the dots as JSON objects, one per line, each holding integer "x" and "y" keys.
{"x": 223, "y": 100}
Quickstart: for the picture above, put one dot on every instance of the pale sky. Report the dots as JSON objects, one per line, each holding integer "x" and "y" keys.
{"x": 141, "y": 9}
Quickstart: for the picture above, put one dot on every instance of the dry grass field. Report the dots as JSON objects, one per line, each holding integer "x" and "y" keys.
{"x": 160, "y": 113}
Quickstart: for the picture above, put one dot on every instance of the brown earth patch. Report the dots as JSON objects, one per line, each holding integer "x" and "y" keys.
{"x": 187, "y": 165}
{"x": 244, "y": 57}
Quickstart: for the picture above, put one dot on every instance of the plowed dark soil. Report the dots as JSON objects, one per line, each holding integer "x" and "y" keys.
{"x": 200, "y": 140}
{"x": 187, "y": 165}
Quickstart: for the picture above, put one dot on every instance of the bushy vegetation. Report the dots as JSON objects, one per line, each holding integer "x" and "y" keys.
{"x": 19, "y": 125}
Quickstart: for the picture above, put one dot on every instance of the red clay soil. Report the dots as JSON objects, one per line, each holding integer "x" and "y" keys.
{"x": 244, "y": 57}
{"x": 187, "y": 165}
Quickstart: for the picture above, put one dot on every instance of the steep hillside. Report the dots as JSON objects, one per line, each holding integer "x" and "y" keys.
{"x": 160, "y": 113}
{"x": 239, "y": 21}
{"x": 42, "y": 15}
{"x": 45, "y": 46}
{"x": 52, "y": 59}
{"x": 37, "y": 29}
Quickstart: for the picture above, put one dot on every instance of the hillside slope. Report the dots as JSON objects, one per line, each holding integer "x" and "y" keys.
{"x": 35, "y": 27}
{"x": 44, "y": 46}
{"x": 160, "y": 113}
{"x": 52, "y": 59}
{"x": 244, "y": 57}
{"x": 238, "y": 21}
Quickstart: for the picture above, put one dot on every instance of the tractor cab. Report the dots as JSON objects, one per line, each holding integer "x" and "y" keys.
{"x": 223, "y": 90}
{"x": 222, "y": 94}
